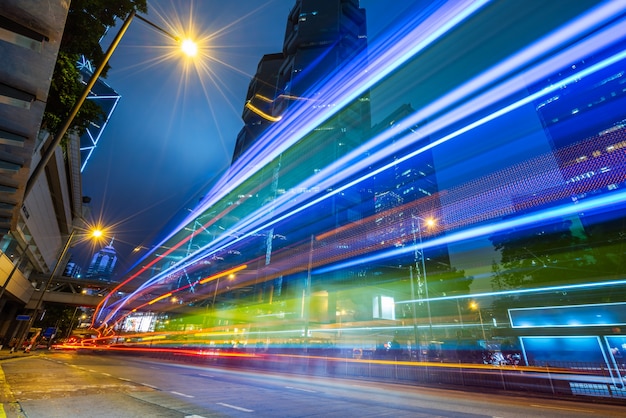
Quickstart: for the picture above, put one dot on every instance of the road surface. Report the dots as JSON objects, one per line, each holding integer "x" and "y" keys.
{"x": 69, "y": 384}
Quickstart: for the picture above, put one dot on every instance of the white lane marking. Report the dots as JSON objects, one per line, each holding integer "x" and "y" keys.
{"x": 106, "y": 374}
{"x": 563, "y": 409}
{"x": 124, "y": 379}
{"x": 93, "y": 371}
{"x": 150, "y": 386}
{"x": 238, "y": 408}
{"x": 205, "y": 375}
{"x": 182, "y": 394}
{"x": 194, "y": 416}
{"x": 300, "y": 389}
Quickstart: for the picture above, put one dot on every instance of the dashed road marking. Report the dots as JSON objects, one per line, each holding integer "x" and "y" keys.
{"x": 238, "y": 408}
{"x": 182, "y": 394}
{"x": 150, "y": 386}
{"x": 300, "y": 389}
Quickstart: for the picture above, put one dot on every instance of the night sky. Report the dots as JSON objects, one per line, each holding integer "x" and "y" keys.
{"x": 174, "y": 129}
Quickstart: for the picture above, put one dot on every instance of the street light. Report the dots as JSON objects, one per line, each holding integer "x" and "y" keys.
{"x": 231, "y": 276}
{"x": 420, "y": 269}
{"x": 94, "y": 233}
{"x": 188, "y": 48}
{"x": 69, "y": 329}
{"x": 476, "y": 307}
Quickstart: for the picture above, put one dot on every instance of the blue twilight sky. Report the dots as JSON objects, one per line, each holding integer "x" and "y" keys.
{"x": 175, "y": 127}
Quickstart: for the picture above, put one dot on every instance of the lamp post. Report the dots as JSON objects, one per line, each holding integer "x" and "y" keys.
{"x": 475, "y": 306}
{"x": 217, "y": 285}
{"x": 188, "y": 47}
{"x": 94, "y": 233}
{"x": 413, "y": 313}
{"x": 69, "y": 330}
{"x": 420, "y": 269}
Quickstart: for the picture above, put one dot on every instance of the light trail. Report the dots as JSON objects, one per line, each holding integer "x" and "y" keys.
{"x": 613, "y": 201}
{"x": 257, "y": 228}
{"x": 330, "y": 177}
{"x": 409, "y": 39}
{"x": 383, "y": 65}
{"x": 529, "y": 55}
{"x": 300, "y": 118}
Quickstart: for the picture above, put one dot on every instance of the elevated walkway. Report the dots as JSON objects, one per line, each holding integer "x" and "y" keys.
{"x": 72, "y": 291}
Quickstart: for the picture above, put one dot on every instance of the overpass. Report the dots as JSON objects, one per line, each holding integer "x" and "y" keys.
{"x": 72, "y": 291}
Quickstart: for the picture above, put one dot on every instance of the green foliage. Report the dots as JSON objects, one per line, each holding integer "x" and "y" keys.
{"x": 558, "y": 253}
{"x": 67, "y": 86}
{"x": 86, "y": 23}
{"x": 542, "y": 256}
{"x": 88, "y": 20}
{"x": 58, "y": 316}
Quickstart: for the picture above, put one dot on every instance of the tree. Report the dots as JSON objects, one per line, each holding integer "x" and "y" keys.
{"x": 541, "y": 256}
{"x": 87, "y": 21}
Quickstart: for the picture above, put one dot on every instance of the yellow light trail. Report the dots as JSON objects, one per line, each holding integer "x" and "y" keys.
{"x": 167, "y": 295}
{"x": 224, "y": 273}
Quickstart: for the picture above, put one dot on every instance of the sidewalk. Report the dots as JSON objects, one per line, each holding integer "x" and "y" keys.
{"x": 9, "y": 407}
{"x": 5, "y": 354}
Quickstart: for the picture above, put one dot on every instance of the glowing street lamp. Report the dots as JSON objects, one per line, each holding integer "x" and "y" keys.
{"x": 420, "y": 269}
{"x": 476, "y": 307}
{"x": 93, "y": 233}
{"x": 188, "y": 47}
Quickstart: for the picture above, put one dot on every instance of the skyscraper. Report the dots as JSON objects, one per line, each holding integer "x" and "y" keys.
{"x": 103, "y": 264}
{"x": 320, "y": 38}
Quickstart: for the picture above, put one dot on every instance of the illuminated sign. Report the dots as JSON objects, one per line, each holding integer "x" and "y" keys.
{"x": 593, "y": 315}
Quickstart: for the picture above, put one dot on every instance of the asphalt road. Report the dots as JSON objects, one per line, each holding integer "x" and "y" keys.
{"x": 69, "y": 384}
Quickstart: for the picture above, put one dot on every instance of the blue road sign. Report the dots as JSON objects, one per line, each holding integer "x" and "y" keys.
{"x": 49, "y": 332}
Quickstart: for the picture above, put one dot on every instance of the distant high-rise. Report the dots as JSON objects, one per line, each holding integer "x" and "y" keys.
{"x": 320, "y": 38}
{"x": 72, "y": 270}
{"x": 103, "y": 264}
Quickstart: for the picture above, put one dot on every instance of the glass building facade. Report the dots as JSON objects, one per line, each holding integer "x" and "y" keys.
{"x": 106, "y": 98}
{"x": 478, "y": 218}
